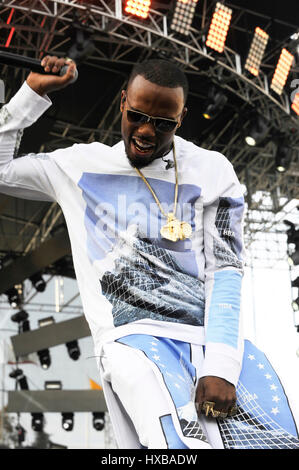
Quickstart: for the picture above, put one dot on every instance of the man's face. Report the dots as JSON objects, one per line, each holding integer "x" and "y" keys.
{"x": 144, "y": 142}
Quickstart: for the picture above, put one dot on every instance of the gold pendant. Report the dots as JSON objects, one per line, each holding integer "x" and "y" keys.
{"x": 175, "y": 230}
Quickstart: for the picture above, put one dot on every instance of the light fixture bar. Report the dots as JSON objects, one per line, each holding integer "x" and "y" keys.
{"x": 183, "y": 16}
{"x": 256, "y": 51}
{"x": 219, "y": 27}
{"x": 139, "y": 8}
{"x": 53, "y": 385}
{"x": 46, "y": 321}
{"x": 282, "y": 71}
{"x": 295, "y": 104}
{"x": 55, "y": 401}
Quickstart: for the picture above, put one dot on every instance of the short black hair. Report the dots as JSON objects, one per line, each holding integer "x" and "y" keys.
{"x": 161, "y": 72}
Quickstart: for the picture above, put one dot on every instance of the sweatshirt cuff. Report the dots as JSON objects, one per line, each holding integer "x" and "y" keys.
{"x": 221, "y": 365}
{"x": 27, "y": 104}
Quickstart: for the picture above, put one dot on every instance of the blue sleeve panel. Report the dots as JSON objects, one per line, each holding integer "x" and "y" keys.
{"x": 224, "y": 310}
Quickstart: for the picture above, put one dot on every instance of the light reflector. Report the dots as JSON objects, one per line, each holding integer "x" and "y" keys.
{"x": 256, "y": 51}
{"x": 53, "y": 385}
{"x": 295, "y": 104}
{"x": 139, "y": 8}
{"x": 183, "y": 16}
{"x": 219, "y": 27}
{"x": 282, "y": 71}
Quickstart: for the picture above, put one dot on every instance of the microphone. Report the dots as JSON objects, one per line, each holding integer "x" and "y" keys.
{"x": 20, "y": 61}
{"x": 170, "y": 164}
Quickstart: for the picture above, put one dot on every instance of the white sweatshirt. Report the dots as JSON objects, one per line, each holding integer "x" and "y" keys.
{"x": 131, "y": 280}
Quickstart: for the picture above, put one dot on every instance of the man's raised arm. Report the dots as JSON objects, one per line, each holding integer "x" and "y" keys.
{"x": 27, "y": 177}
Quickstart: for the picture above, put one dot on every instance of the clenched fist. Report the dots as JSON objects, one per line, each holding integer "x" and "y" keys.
{"x": 44, "y": 84}
{"x": 216, "y": 390}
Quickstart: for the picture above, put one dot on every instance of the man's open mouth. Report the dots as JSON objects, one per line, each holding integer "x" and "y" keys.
{"x": 141, "y": 146}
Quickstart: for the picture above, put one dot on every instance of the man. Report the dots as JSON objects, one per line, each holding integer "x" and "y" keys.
{"x": 155, "y": 225}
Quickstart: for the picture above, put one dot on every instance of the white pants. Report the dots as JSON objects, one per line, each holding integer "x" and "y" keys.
{"x": 142, "y": 410}
{"x": 149, "y": 385}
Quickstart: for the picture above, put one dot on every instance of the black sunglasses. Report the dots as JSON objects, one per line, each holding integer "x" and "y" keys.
{"x": 161, "y": 124}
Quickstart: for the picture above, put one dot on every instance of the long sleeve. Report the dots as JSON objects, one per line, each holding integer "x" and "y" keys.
{"x": 224, "y": 255}
{"x": 24, "y": 177}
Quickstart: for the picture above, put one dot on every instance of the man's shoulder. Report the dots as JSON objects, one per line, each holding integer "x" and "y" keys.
{"x": 91, "y": 147}
{"x": 93, "y": 156}
{"x": 96, "y": 147}
{"x": 92, "y": 151}
{"x": 189, "y": 149}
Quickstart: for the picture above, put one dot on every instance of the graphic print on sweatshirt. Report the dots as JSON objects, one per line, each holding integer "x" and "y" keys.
{"x": 141, "y": 274}
{"x": 228, "y": 248}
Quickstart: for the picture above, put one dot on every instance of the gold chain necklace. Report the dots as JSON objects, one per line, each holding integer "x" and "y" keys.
{"x": 174, "y": 230}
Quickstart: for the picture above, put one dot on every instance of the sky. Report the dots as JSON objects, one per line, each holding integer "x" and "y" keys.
{"x": 268, "y": 323}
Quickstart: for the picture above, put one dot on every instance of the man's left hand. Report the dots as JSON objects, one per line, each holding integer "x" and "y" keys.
{"x": 217, "y": 390}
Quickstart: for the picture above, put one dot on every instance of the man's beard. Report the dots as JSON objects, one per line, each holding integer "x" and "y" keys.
{"x": 143, "y": 162}
{"x": 137, "y": 163}
{"x": 140, "y": 162}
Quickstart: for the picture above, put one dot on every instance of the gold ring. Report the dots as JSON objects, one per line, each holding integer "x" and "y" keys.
{"x": 208, "y": 406}
{"x": 68, "y": 60}
{"x": 232, "y": 411}
{"x": 216, "y": 413}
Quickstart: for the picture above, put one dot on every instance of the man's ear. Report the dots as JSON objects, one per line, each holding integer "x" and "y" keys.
{"x": 184, "y": 112}
{"x": 122, "y": 100}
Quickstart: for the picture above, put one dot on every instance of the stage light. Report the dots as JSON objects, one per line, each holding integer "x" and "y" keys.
{"x": 293, "y": 258}
{"x": 53, "y": 385}
{"x": 20, "y": 316}
{"x": 46, "y": 321}
{"x": 183, "y": 16}
{"x": 21, "y": 379}
{"x": 282, "y": 71}
{"x": 44, "y": 358}
{"x": 292, "y": 239}
{"x": 219, "y": 27}
{"x": 295, "y": 304}
{"x": 38, "y": 282}
{"x": 68, "y": 421}
{"x": 139, "y": 8}
{"x": 44, "y": 354}
{"x": 257, "y": 131}
{"x": 295, "y": 104}
{"x": 14, "y": 297}
{"x": 256, "y": 51}
{"x": 37, "y": 422}
{"x": 283, "y": 158}
{"x": 98, "y": 420}
{"x": 216, "y": 102}
{"x": 73, "y": 349}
